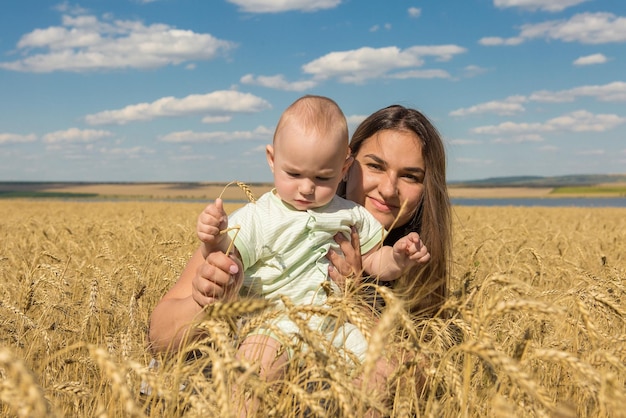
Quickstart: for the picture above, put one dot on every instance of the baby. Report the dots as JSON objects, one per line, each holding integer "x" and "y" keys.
{"x": 283, "y": 238}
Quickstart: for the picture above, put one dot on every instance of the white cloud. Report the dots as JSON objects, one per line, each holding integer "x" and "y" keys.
{"x": 217, "y": 119}
{"x": 277, "y": 82}
{"x": 473, "y": 161}
{"x": 465, "y": 142}
{"x": 585, "y": 28}
{"x": 66, "y": 7}
{"x": 403, "y": 75}
{"x": 85, "y": 43}
{"x": 577, "y": 121}
{"x": 591, "y": 59}
{"x": 509, "y": 106}
{"x": 217, "y": 103}
{"x": 132, "y": 152}
{"x": 74, "y": 135}
{"x": 278, "y": 6}
{"x": 9, "y": 138}
{"x": 359, "y": 65}
{"x": 516, "y": 139}
{"x": 256, "y": 150}
{"x": 497, "y": 41}
{"x": 548, "y": 148}
{"x": 440, "y": 52}
{"x": 592, "y": 152}
{"x": 386, "y": 26}
{"x": 611, "y": 92}
{"x": 509, "y": 128}
{"x": 548, "y": 6}
{"x": 192, "y": 157}
{"x": 473, "y": 71}
{"x": 355, "y": 119}
{"x": 414, "y": 12}
{"x": 584, "y": 121}
{"x": 260, "y": 133}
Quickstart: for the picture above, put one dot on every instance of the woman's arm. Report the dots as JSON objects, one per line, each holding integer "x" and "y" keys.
{"x": 201, "y": 283}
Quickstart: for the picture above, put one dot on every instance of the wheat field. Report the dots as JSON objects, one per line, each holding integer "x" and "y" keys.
{"x": 536, "y": 326}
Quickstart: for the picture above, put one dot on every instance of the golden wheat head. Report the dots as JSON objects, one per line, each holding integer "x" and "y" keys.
{"x": 243, "y": 186}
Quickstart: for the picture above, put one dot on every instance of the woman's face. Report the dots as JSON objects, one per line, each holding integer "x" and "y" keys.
{"x": 387, "y": 176}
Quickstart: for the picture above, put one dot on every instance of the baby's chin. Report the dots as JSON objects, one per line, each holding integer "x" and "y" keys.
{"x": 387, "y": 220}
{"x": 306, "y": 205}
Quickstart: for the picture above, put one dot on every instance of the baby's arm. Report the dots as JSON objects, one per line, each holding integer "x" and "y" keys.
{"x": 388, "y": 263}
{"x": 211, "y": 222}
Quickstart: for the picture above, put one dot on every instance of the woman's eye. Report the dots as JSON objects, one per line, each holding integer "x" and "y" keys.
{"x": 375, "y": 166}
{"x": 413, "y": 178}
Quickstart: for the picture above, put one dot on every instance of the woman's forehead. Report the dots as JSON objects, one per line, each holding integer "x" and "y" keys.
{"x": 401, "y": 147}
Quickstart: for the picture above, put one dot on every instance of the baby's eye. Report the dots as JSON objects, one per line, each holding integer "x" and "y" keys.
{"x": 293, "y": 175}
{"x": 323, "y": 178}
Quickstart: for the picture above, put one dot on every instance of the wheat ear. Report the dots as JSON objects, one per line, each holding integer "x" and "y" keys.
{"x": 19, "y": 389}
{"x": 243, "y": 186}
{"x": 246, "y": 189}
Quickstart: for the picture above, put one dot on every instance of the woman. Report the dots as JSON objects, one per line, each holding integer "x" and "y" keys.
{"x": 398, "y": 175}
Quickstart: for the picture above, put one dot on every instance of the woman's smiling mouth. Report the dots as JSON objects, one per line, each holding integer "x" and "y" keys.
{"x": 382, "y": 205}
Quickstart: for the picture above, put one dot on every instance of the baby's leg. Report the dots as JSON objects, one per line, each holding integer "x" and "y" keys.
{"x": 267, "y": 355}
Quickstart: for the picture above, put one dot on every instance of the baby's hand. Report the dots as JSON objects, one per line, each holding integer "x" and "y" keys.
{"x": 410, "y": 250}
{"x": 211, "y": 222}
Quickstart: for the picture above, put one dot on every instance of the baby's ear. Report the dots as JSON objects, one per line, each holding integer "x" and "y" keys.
{"x": 347, "y": 163}
{"x": 269, "y": 154}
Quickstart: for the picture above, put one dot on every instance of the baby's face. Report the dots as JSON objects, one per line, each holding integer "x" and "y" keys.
{"x": 307, "y": 166}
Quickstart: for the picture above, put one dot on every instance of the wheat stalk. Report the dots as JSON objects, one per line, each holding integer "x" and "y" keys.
{"x": 492, "y": 356}
{"x": 92, "y": 303}
{"x": 19, "y": 389}
{"x": 77, "y": 389}
{"x": 235, "y": 308}
{"x": 592, "y": 378}
{"x": 118, "y": 382}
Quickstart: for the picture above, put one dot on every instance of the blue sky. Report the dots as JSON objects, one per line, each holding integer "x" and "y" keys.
{"x": 190, "y": 90}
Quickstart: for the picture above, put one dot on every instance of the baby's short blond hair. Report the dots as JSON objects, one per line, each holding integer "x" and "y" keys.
{"x": 317, "y": 113}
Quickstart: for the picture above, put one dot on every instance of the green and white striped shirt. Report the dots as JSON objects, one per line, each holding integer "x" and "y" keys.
{"x": 283, "y": 249}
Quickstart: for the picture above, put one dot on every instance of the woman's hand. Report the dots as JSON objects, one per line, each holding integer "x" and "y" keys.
{"x": 348, "y": 265}
{"x": 219, "y": 277}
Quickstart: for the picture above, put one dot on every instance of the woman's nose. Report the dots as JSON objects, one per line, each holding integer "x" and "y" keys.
{"x": 388, "y": 186}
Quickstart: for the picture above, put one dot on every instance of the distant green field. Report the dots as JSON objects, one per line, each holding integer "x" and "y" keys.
{"x": 618, "y": 191}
